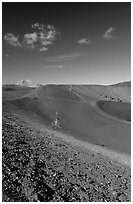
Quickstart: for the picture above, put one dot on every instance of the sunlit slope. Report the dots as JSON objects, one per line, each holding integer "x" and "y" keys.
{"x": 77, "y": 116}
{"x": 123, "y": 84}
{"x": 56, "y": 92}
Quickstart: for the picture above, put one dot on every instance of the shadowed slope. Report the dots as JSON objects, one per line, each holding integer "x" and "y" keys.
{"x": 119, "y": 110}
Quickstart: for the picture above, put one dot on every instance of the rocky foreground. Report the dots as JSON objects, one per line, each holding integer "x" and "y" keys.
{"x": 39, "y": 167}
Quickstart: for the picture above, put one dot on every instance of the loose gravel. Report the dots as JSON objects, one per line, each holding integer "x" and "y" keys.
{"x": 39, "y": 167}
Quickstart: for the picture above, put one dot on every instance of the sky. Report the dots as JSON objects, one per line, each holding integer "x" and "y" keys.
{"x": 66, "y": 43}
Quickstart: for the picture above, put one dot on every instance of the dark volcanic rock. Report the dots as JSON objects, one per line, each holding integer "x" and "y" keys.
{"x": 37, "y": 166}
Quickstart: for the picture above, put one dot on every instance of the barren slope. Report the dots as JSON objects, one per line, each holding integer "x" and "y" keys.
{"x": 78, "y": 113}
{"x": 41, "y": 165}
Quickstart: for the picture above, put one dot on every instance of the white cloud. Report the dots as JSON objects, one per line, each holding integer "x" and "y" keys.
{"x": 7, "y": 56}
{"x": 11, "y": 39}
{"x": 43, "y": 49}
{"x": 54, "y": 66}
{"x": 84, "y": 41}
{"x": 30, "y": 39}
{"x": 61, "y": 66}
{"x": 66, "y": 57}
{"x": 40, "y": 39}
{"x": 35, "y": 25}
{"x": 46, "y": 35}
{"x": 108, "y": 34}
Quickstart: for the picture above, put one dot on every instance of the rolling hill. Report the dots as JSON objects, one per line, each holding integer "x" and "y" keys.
{"x": 123, "y": 84}
{"x": 92, "y": 113}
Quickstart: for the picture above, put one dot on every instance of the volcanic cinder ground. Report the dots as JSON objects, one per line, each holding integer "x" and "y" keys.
{"x": 89, "y": 123}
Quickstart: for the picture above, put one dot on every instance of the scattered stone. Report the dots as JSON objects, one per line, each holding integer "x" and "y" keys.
{"x": 38, "y": 167}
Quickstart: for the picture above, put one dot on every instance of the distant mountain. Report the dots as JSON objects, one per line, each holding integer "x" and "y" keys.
{"x": 24, "y": 82}
{"x": 122, "y": 84}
